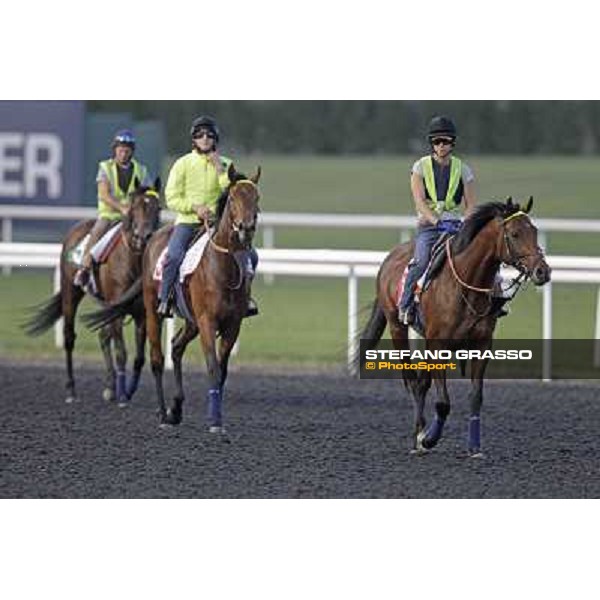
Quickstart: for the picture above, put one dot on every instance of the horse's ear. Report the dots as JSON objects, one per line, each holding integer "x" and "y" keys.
{"x": 157, "y": 184}
{"x": 529, "y": 205}
{"x": 509, "y": 202}
{"x": 136, "y": 182}
{"x": 256, "y": 176}
{"x": 231, "y": 173}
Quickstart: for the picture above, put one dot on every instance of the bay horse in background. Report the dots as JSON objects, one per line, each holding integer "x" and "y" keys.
{"x": 217, "y": 293}
{"x": 121, "y": 268}
{"x": 457, "y": 306}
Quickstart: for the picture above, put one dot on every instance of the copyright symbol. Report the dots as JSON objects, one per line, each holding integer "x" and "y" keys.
{"x": 370, "y": 366}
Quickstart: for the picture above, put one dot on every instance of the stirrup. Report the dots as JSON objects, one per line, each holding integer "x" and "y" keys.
{"x": 164, "y": 309}
{"x": 406, "y": 317}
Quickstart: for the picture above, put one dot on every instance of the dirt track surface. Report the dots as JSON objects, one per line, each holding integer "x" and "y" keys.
{"x": 291, "y": 436}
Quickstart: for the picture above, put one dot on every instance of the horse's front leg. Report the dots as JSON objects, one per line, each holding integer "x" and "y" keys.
{"x": 476, "y": 399}
{"x": 121, "y": 360}
{"x": 229, "y": 336}
{"x": 208, "y": 333}
{"x": 432, "y": 435}
{"x": 138, "y": 363}
{"x": 104, "y": 335}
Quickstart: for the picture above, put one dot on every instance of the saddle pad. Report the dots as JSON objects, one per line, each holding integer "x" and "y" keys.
{"x": 75, "y": 255}
{"x": 401, "y": 283}
{"x": 103, "y": 247}
{"x": 190, "y": 261}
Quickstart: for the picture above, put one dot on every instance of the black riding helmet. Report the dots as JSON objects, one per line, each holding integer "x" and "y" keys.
{"x": 441, "y": 126}
{"x": 205, "y": 122}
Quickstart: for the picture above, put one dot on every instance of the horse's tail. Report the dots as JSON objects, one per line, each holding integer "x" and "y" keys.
{"x": 371, "y": 334}
{"x": 46, "y": 314}
{"x": 125, "y": 305}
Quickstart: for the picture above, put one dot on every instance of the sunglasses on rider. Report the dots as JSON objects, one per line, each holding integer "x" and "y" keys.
{"x": 205, "y": 133}
{"x": 442, "y": 141}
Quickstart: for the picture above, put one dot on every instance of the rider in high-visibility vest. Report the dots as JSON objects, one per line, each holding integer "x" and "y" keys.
{"x": 442, "y": 186}
{"x": 195, "y": 182}
{"x": 116, "y": 180}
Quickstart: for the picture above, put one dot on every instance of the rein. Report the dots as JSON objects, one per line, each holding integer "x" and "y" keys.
{"x": 517, "y": 261}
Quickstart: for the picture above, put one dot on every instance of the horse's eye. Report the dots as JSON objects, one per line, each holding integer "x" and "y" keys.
{"x": 514, "y": 235}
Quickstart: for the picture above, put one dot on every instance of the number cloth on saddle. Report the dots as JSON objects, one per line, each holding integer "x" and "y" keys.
{"x": 190, "y": 262}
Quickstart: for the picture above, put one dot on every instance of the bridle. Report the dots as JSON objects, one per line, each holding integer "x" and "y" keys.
{"x": 134, "y": 236}
{"x": 235, "y": 229}
{"x": 512, "y": 260}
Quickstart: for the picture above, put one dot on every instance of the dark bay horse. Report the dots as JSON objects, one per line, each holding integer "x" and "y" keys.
{"x": 217, "y": 293}
{"x": 114, "y": 276}
{"x": 457, "y": 306}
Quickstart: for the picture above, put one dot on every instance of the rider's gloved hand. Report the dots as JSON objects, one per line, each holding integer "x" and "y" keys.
{"x": 450, "y": 226}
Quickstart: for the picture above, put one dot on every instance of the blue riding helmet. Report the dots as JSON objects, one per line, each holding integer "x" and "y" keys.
{"x": 124, "y": 137}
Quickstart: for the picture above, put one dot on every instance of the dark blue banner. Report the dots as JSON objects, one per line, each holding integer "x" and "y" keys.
{"x": 41, "y": 152}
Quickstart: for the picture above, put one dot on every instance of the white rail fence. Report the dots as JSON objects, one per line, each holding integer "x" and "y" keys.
{"x": 270, "y": 220}
{"x": 349, "y": 264}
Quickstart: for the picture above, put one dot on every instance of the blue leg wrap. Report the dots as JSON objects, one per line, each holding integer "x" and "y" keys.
{"x": 434, "y": 432}
{"x": 215, "y": 418}
{"x": 132, "y": 384}
{"x": 120, "y": 392}
{"x": 474, "y": 433}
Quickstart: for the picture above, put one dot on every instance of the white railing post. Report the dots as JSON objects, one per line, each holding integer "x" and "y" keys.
{"x": 58, "y": 328}
{"x": 169, "y": 333}
{"x": 268, "y": 238}
{"x": 597, "y": 331}
{"x": 7, "y": 233}
{"x": 352, "y": 318}
{"x": 547, "y": 332}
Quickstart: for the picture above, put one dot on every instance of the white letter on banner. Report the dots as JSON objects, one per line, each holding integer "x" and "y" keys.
{"x": 11, "y": 164}
{"x": 48, "y": 169}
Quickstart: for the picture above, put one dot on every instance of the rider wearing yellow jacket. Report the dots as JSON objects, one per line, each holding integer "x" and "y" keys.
{"x": 116, "y": 180}
{"x": 195, "y": 182}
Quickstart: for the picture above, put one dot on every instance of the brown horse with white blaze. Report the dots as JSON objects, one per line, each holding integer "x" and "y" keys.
{"x": 217, "y": 293}
{"x": 458, "y": 306}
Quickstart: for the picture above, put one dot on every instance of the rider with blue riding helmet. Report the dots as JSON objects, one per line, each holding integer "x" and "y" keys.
{"x": 195, "y": 182}
{"x": 116, "y": 180}
{"x": 441, "y": 184}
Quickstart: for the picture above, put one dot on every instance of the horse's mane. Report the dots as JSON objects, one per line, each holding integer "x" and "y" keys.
{"x": 478, "y": 219}
{"x": 222, "y": 199}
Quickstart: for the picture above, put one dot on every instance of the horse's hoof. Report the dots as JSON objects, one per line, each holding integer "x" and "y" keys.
{"x": 70, "y": 399}
{"x": 420, "y": 451}
{"x": 173, "y": 417}
{"x": 108, "y": 394}
{"x": 217, "y": 429}
{"x": 475, "y": 453}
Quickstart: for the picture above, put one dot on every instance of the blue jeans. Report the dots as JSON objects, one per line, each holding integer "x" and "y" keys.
{"x": 178, "y": 243}
{"x": 427, "y": 235}
{"x": 180, "y": 238}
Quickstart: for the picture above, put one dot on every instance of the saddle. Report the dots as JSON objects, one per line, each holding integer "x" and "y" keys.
{"x": 100, "y": 251}
{"x": 191, "y": 260}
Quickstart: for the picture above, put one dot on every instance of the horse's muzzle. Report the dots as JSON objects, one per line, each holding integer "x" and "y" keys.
{"x": 541, "y": 273}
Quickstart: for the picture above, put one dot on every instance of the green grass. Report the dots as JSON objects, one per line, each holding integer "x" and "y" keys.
{"x": 305, "y": 319}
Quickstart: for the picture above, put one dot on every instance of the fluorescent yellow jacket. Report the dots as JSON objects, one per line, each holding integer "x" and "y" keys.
{"x": 193, "y": 180}
{"x": 109, "y": 167}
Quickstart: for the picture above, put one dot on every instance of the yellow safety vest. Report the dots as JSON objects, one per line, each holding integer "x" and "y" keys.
{"x": 448, "y": 204}
{"x": 110, "y": 168}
